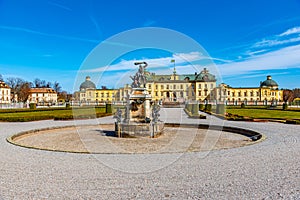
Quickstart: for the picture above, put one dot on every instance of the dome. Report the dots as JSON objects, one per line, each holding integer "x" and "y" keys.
{"x": 269, "y": 83}
{"x": 87, "y": 84}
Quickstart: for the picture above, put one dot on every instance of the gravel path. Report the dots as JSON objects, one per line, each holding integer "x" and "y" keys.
{"x": 266, "y": 170}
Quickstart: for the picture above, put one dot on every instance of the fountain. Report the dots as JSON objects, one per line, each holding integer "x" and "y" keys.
{"x": 141, "y": 117}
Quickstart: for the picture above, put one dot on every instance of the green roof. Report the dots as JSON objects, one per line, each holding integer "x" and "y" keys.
{"x": 203, "y": 76}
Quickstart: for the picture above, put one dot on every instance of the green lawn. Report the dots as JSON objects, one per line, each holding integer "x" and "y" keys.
{"x": 265, "y": 114}
{"x": 32, "y": 115}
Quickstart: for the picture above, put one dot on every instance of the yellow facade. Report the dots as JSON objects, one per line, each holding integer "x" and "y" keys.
{"x": 96, "y": 95}
{"x": 267, "y": 92}
{"x": 180, "y": 88}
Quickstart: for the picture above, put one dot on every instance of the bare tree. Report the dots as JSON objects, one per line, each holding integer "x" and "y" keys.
{"x": 37, "y": 83}
{"x": 288, "y": 95}
{"x": 43, "y": 83}
{"x": 296, "y": 92}
{"x": 62, "y": 95}
{"x": 49, "y": 84}
{"x": 56, "y": 87}
{"x": 24, "y": 92}
{"x": 14, "y": 84}
{"x": 1, "y": 77}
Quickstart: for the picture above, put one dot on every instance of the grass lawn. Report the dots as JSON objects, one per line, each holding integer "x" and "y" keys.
{"x": 265, "y": 114}
{"x": 32, "y": 115}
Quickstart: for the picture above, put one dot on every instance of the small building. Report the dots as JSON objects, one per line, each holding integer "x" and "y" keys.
{"x": 5, "y": 93}
{"x": 42, "y": 95}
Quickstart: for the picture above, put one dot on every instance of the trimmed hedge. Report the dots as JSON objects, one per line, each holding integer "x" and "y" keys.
{"x": 108, "y": 108}
{"x": 208, "y": 108}
{"x": 32, "y": 106}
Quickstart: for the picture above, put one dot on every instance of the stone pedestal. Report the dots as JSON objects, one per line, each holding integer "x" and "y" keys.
{"x": 140, "y": 105}
{"x": 141, "y": 129}
{"x": 138, "y": 121}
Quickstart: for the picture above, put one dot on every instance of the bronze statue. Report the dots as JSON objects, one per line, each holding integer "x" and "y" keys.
{"x": 139, "y": 79}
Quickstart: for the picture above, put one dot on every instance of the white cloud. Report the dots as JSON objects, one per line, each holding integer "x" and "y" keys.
{"x": 284, "y": 58}
{"x": 251, "y": 53}
{"x": 275, "y": 42}
{"x": 290, "y": 31}
{"x": 26, "y": 30}
{"x": 289, "y": 36}
{"x": 153, "y": 63}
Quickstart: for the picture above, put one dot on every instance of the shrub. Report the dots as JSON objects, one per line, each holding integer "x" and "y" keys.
{"x": 32, "y": 106}
{"x": 68, "y": 105}
{"x": 201, "y": 107}
{"x": 243, "y": 105}
{"x": 207, "y": 108}
{"x": 108, "y": 108}
{"x": 284, "y": 106}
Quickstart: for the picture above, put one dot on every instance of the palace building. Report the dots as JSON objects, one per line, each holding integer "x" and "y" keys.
{"x": 5, "y": 93}
{"x": 266, "y": 92}
{"x": 180, "y": 88}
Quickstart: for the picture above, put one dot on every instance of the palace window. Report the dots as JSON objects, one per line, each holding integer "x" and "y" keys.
{"x": 156, "y": 93}
{"x": 251, "y": 94}
{"x": 205, "y": 93}
{"x": 149, "y": 86}
{"x": 161, "y": 94}
{"x": 181, "y": 86}
{"x": 199, "y": 93}
{"x": 162, "y": 87}
{"x": 199, "y": 86}
{"x": 228, "y": 93}
{"x": 257, "y": 93}
{"x": 211, "y": 85}
{"x": 97, "y": 94}
{"x": 239, "y": 94}
{"x": 167, "y": 87}
{"x": 174, "y": 87}
{"x": 245, "y": 94}
{"x": 205, "y": 86}
{"x": 156, "y": 87}
{"x": 233, "y": 94}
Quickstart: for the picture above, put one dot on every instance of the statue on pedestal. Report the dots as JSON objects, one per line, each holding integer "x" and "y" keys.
{"x": 139, "y": 79}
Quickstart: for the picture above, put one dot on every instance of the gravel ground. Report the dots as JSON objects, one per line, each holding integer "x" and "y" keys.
{"x": 266, "y": 170}
{"x": 93, "y": 139}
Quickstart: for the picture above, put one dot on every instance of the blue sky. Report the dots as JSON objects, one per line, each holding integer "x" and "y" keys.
{"x": 247, "y": 40}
